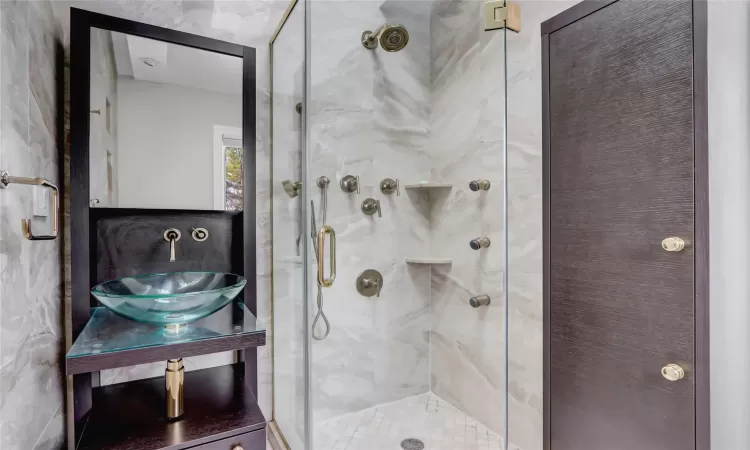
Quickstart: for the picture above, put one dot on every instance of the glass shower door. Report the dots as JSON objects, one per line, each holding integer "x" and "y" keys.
{"x": 287, "y": 54}
{"x": 405, "y": 164}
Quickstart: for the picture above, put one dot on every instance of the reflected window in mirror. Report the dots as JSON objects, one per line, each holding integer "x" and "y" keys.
{"x": 152, "y": 143}
{"x": 228, "y": 168}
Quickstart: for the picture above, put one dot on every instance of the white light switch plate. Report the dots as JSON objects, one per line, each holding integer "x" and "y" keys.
{"x": 41, "y": 201}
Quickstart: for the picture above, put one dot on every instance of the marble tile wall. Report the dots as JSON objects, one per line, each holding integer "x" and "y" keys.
{"x": 525, "y": 223}
{"x": 369, "y": 114}
{"x": 31, "y": 332}
{"x": 468, "y": 346}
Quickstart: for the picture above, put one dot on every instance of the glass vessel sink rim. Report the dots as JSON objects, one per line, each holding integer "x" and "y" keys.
{"x": 241, "y": 281}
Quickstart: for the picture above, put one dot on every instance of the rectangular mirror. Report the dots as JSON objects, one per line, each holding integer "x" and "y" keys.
{"x": 165, "y": 125}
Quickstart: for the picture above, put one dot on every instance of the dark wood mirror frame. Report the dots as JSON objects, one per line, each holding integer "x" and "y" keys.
{"x": 240, "y": 259}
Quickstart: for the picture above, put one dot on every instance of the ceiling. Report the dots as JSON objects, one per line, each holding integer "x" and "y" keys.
{"x": 160, "y": 62}
{"x": 246, "y": 22}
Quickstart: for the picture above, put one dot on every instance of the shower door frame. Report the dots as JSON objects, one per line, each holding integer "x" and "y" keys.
{"x": 275, "y": 430}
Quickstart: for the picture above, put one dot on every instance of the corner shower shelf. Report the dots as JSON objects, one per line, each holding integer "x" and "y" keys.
{"x": 428, "y": 260}
{"x": 109, "y": 341}
{"x": 428, "y": 185}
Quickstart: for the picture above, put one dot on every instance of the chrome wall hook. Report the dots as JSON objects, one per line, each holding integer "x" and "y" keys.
{"x": 6, "y": 180}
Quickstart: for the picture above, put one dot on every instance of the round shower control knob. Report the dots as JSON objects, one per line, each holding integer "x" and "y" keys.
{"x": 237, "y": 447}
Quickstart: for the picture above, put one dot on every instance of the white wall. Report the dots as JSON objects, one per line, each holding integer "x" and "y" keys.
{"x": 729, "y": 190}
{"x": 165, "y": 142}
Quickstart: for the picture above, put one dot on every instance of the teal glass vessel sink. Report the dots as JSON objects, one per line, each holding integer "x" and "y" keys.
{"x": 169, "y": 298}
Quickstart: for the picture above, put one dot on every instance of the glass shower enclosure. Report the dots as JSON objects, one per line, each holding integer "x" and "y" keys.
{"x": 390, "y": 226}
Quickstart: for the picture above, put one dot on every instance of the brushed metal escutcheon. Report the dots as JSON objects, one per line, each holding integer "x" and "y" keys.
{"x": 369, "y": 283}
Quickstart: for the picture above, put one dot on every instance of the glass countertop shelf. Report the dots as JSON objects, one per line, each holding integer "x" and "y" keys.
{"x": 106, "y": 332}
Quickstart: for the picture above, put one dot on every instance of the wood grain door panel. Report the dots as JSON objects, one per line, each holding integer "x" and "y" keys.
{"x": 621, "y": 180}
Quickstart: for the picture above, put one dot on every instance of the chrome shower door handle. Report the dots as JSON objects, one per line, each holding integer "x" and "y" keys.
{"x": 322, "y": 280}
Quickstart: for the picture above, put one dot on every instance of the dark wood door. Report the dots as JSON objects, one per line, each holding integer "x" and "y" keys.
{"x": 620, "y": 164}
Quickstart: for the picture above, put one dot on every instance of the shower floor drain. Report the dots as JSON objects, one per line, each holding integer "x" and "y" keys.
{"x": 412, "y": 444}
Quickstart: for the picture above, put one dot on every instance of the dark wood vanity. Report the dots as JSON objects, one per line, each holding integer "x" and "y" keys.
{"x": 220, "y": 403}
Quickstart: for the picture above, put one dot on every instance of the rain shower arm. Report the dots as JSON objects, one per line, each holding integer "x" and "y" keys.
{"x": 370, "y": 38}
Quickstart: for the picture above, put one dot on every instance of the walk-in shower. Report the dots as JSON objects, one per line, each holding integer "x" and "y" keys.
{"x": 409, "y": 350}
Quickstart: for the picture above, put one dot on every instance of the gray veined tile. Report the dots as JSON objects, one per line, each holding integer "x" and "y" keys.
{"x": 44, "y": 48}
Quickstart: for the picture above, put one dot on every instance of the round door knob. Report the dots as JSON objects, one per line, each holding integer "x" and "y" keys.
{"x": 673, "y": 244}
{"x": 673, "y": 372}
{"x": 237, "y": 447}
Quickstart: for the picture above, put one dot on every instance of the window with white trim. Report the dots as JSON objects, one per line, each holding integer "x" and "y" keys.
{"x": 228, "y": 168}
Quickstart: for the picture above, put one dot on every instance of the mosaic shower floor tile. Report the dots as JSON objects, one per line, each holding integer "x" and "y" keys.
{"x": 426, "y": 417}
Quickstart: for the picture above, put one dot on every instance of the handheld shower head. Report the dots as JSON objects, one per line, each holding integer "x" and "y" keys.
{"x": 392, "y": 38}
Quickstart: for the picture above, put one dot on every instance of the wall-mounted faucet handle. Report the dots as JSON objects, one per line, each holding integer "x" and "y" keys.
{"x": 370, "y": 283}
{"x": 172, "y": 235}
{"x": 370, "y": 206}
{"x": 388, "y": 186}
{"x": 479, "y": 185}
{"x": 350, "y": 184}
{"x": 480, "y": 242}
{"x": 479, "y": 300}
{"x": 200, "y": 234}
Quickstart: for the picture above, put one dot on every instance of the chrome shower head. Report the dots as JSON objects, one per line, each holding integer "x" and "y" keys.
{"x": 291, "y": 188}
{"x": 392, "y": 38}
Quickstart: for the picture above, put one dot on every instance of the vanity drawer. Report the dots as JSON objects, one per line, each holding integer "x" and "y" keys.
{"x": 255, "y": 440}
